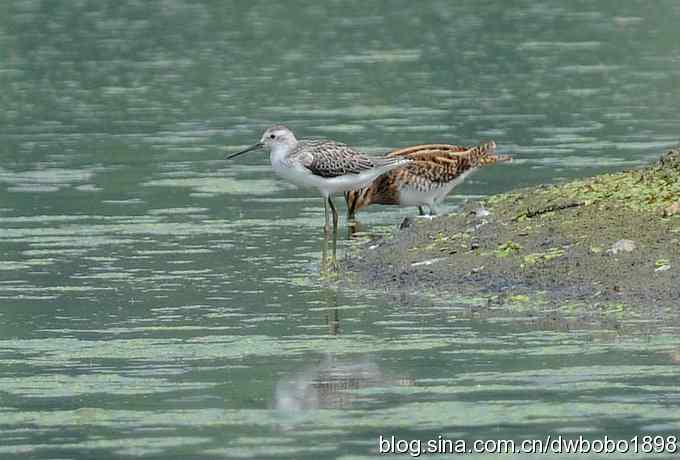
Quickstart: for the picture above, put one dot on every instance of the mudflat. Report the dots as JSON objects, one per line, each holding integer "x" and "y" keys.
{"x": 605, "y": 242}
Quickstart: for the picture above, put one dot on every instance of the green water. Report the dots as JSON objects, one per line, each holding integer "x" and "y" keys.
{"x": 157, "y": 301}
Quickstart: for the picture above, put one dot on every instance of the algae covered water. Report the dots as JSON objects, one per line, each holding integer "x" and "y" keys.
{"x": 157, "y": 301}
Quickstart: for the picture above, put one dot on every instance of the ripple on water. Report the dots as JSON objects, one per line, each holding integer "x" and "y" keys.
{"x": 551, "y": 46}
{"x": 136, "y": 446}
{"x": 377, "y": 56}
{"x": 172, "y": 330}
{"x": 49, "y": 179}
{"x": 88, "y": 188}
{"x": 33, "y": 188}
{"x": 175, "y": 211}
{"x": 103, "y": 234}
{"x": 99, "y": 381}
{"x": 588, "y": 69}
{"x": 222, "y": 185}
{"x": 358, "y": 111}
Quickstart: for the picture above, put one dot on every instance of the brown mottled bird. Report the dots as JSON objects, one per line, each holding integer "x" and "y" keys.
{"x": 434, "y": 171}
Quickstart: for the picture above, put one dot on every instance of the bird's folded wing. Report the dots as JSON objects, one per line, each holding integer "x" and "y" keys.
{"x": 441, "y": 171}
{"x": 415, "y": 151}
{"x": 332, "y": 159}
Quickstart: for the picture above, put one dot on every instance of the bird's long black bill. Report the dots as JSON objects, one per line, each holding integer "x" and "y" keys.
{"x": 252, "y": 147}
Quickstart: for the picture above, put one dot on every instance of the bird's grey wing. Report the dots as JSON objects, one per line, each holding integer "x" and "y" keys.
{"x": 329, "y": 159}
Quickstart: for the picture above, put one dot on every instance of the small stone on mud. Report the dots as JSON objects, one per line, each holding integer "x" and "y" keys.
{"x": 622, "y": 246}
{"x": 481, "y": 212}
{"x": 662, "y": 265}
{"x": 427, "y": 262}
{"x": 672, "y": 210}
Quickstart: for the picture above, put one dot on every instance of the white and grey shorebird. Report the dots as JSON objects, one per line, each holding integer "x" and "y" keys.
{"x": 331, "y": 167}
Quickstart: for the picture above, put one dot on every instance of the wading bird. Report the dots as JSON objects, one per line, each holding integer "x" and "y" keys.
{"x": 329, "y": 166}
{"x": 434, "y": 171}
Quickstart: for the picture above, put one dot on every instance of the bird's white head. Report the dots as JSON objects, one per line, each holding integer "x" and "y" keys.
{"x": 277, "y": 137}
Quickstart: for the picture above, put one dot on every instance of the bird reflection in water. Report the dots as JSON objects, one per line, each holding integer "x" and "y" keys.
{"x": 329, "y": 262}
{"x": 330, "y": 384}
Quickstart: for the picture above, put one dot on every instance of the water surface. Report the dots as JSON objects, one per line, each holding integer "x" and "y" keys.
{"x": 158, "y": 301}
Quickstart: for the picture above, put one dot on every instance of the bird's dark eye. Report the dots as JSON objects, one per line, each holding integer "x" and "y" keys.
{"x": 272, "y": 136}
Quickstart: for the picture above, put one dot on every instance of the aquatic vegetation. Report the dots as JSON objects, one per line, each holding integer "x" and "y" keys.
{"x": 655, "y": 189}
{"x": 536, "y": 257}
{"x": 506, "y": 249}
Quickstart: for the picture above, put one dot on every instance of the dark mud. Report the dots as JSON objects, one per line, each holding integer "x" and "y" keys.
{"x": 610, "y": 243}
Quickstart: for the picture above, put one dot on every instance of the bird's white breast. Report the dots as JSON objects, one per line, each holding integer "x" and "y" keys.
{"x": 279, "y": 158}
{"x": 291, "y": 171}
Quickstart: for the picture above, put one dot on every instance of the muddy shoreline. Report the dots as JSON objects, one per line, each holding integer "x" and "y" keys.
{"x": 611, "y": 241}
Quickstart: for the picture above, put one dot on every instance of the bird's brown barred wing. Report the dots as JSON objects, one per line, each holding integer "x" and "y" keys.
{"x": 423, "y": 174}
{"x": 441, "y": 163}
{"x": 453, "y": 160}
{"x": 415, "y": 151}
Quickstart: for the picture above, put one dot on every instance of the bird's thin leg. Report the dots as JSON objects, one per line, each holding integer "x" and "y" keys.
{"x": 327, "y": 226}
{"x": 335, "y": 215}
{"x": 325, "y": 259}
{"x": 333, "y": 322}
{"x": 351, "y": 229}
{"x": 334, "y": 247}
{"x": 335, "y": 234}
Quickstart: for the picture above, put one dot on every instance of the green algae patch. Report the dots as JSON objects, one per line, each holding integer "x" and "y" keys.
{"x": 611, "y": 240}
{"x": 538, "y": 257}
{"x": 655, "y": 189}
{"x": 507, "y": 249}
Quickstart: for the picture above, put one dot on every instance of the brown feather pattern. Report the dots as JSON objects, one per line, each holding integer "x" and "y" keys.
{"x": 434, "y": 166}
